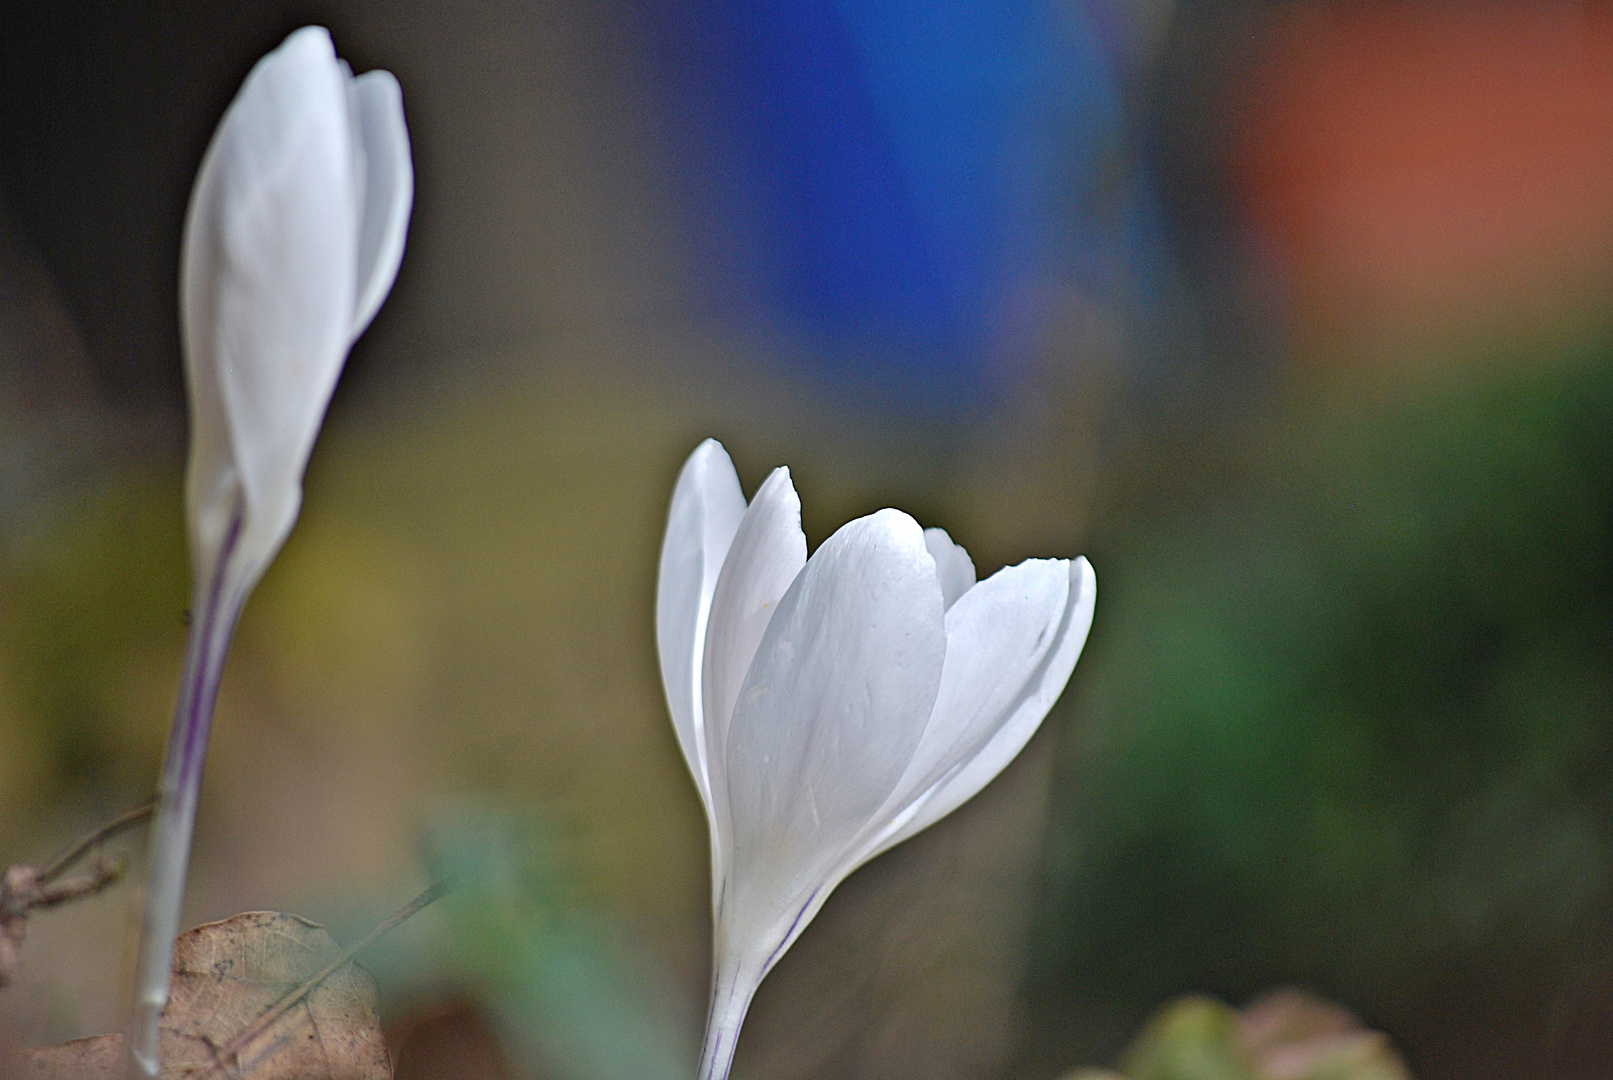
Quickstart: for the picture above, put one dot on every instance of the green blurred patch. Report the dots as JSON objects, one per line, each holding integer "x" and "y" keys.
{"x": 1194, "y": 1039}
{"x": 91, "y": 640}
{"x": 1351, "y": 721}
{"x": 522, "y": 936}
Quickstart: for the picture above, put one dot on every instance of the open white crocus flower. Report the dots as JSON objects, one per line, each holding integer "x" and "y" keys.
{"x": 830, "y": 708}
{"x": 292, "y": 241}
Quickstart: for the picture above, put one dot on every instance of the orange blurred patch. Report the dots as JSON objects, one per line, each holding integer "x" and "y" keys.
{"x": 1435, "y": 167}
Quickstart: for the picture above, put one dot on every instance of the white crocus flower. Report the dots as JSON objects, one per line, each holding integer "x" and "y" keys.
{"x": 292, "y": 241}
{"x": 830, "y": 708}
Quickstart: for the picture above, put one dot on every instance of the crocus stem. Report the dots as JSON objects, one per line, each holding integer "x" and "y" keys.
{"x": 212, "y": 625}
{"x": 732, "y": 988}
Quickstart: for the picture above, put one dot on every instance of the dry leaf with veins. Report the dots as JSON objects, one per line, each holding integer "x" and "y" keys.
{"x": 225, "y": 975}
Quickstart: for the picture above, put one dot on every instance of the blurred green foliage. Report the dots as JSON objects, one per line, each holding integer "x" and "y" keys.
{"x": 1348, "y": 720}
{"x": 1195, "y": 1039}
{"x": 571, "y": 998}
{"x": 1284, "y": 1036}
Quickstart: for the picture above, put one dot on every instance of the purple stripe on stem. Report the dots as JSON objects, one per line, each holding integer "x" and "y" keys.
{"x": 177, "y": 792}
{"x": 731, "y": 991}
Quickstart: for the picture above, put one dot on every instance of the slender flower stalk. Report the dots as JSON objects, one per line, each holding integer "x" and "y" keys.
{"x": 830, "y": 708}
{"x": 292, "y": 240}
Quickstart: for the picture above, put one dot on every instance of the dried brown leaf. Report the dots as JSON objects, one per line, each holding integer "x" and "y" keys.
{"x": 226, "y": 975}
{"x": 99, "y": 1057}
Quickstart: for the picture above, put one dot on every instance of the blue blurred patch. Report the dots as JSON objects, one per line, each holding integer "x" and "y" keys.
{"x": 890, "y": 187}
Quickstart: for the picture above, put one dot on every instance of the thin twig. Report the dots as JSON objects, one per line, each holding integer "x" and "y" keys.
{"x": 105, "y": 832}
{"x": 102, "y": 876}
{"x": 24, "y": 890}
{"x": 265, "y": 1019}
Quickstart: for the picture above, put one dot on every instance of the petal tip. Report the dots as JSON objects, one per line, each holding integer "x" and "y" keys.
{"x": 1081, "y": 571}
{"x": 900, "y": 524}
{"x": 383, "y": 81}
{"x": 778, "y": 485}
{"x": 709, "y": 455}
{"x": 313, "y": 37}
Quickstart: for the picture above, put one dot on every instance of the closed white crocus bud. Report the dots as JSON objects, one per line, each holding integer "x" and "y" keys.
{"x": 292, "y": 241}
{"x": 830, "y": 708}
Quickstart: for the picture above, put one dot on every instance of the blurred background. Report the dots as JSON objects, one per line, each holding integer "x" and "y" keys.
{"x": 1293, "y": 317}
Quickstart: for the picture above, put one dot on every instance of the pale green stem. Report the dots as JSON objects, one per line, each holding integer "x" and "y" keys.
{"x": 213, "y": 616}
{"x": 732, "y": 987}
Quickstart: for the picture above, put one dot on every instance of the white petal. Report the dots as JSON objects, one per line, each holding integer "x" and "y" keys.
{"x": 768, "y": 552}
{"x": 998, "y": 636}
{"x": 707, "y": 505}
{"x": 952, "y": 565}
{"x": 268, "y": 287}
{"x": 1024, "y": 714}
{"x": 829, "y": 715}
{"x": 384, "y": 178}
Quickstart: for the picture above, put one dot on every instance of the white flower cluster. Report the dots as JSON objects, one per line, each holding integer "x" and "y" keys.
{"x": 828, "y": 707}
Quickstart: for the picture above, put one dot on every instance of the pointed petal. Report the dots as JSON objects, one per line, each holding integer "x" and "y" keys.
{"x": 768, "y": 552}
{"x": 1024, "y": 715}
{"x": 826, "y": 722}
{"x": 385, "y": 186}
{"x": 707, "y": 506}
{"x": 998, "y": 636}
{"x": 271, "y": 243}
{"x": 952, "y": 565}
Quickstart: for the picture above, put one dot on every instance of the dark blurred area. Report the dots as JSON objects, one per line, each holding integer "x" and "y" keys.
{"x": 1292, "y": 317}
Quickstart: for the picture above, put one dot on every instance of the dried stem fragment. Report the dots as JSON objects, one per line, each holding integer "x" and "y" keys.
{"x": 24, "y": 889}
